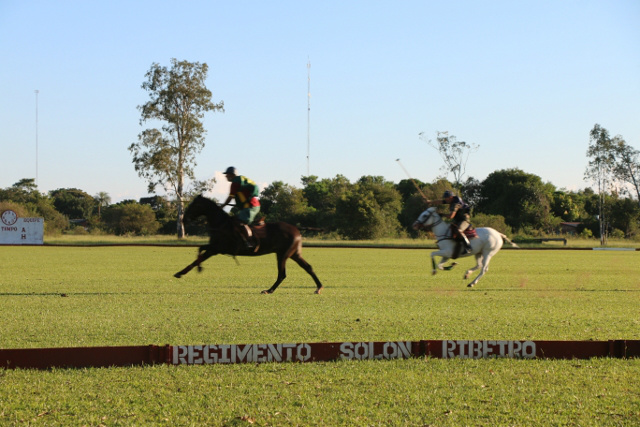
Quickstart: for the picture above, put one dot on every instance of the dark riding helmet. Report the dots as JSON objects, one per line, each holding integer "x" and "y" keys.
{"x": 230, "y": 170}
{"x": 448, "y": 194}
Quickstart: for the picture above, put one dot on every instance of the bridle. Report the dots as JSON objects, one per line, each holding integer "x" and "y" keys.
{"x": 431, "y": 213}
{"x": 439, "y": 220}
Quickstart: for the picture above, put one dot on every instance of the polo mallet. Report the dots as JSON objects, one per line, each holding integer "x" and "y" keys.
{"x": 413, "y": 181}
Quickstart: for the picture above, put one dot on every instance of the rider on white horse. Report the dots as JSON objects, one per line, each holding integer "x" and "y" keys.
{"x": 459, "y": 213}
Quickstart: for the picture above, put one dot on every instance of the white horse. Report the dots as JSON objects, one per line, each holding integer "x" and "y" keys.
{"x": 483, "y": 247}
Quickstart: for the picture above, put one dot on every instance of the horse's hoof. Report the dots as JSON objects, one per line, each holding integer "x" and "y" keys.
{"x": 177, "y": 275}
{"x": 470, "y": 285}
{"x": 433, "y": 273}
{"x": 318, "y": 291}
{"x": 200, "y": 269}
{"x": 267, "y": 291}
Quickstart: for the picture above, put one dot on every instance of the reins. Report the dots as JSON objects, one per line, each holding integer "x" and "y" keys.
{"x": 439, "y": 220}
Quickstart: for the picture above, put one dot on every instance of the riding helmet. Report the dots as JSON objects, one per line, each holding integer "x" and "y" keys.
{"x": 230, "y": 170}
{"x": 447, "y": 194}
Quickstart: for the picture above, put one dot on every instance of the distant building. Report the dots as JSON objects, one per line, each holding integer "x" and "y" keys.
{"x": 569, "y": 227}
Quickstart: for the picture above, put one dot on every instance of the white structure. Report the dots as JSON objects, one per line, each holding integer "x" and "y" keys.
{"x": 20, "y": 231}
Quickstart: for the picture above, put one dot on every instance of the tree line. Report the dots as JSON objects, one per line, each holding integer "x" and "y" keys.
{"x": 512, "y": 201}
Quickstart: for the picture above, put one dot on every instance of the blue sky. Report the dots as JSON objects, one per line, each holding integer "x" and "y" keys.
{"x": 525, "y": 80}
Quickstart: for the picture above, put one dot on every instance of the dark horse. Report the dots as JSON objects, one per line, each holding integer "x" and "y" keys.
{"x": 279, "y": 237}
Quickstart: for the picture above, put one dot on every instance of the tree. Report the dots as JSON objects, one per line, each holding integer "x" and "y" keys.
{"x": 322, "y": 197}
{"x": 24, "y": 191}
{"x": 454, "y": 153}
{"x": 600, "y": 170}
{"x": 521, "y": 198}
{"x": 627, "y": 166}
{"x": 566, "y": 206}
{"x": 369, "y": 209}
{"x": 179, "y": 98}
{"x": 130, "y": 217}
{"x": 74, "y": 203}
{"x": 102, "y": 200}
{"x": 283, "y": 202}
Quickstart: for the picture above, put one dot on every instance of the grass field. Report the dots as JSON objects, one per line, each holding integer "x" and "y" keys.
{"x": 97, "y": 296}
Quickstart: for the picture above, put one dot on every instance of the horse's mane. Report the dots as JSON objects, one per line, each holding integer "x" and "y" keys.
{"x": 210, "y": 206}
{"x": 209, "y": 202}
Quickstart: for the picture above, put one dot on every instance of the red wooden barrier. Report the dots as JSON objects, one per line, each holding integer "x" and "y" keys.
{"x": 80, "y": 357}
{"x": 83, "y": 357}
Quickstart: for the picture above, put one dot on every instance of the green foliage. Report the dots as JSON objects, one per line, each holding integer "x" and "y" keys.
{"x": 369, "y": 210}
{"x": 323, "y": 196}
{"x": 130, "y": 218}
{"x": 566, "y": 206}
{"x": 494, "y": 221}
{"x": 586, "y": 233}
{"x": 283, "y": 202}
{"x": 521, "y": 198}
{"x": 165, "y": 212}
{"x": 74, "y": 203}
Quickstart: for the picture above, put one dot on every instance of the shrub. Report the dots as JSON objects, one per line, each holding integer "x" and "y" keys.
{"x": 130, "y": 218}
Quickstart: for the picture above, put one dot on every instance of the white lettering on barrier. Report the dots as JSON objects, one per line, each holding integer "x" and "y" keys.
{"x": 465, "y": 349}
{"x": 250, "y": 353}
{"x": 366, "y": 350}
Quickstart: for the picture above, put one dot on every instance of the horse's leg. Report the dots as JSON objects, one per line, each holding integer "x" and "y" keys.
{"x": 471, "y": 270}
{"x": 307, "y": 267}
{"x": 484, "y": 268}
{"x": 203, "y": 253}
{"x": 438, "y": 266}
{"x": 282, "y": 272}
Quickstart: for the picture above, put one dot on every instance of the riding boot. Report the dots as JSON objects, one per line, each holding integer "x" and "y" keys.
{"x": 246, "y": 236}
{"x": 465, "y": 243}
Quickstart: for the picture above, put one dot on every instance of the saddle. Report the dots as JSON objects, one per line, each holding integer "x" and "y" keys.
{"x": 470, "y": 233}
{"x": 258, "y": 231}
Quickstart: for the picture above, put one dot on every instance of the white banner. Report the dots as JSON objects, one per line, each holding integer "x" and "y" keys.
{"x": 20, "y": 231}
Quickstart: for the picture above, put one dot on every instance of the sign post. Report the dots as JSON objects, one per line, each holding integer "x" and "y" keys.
{"x": 20, "y": 231}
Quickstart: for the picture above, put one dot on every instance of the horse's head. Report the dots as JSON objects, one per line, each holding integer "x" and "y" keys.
{"x": 426, "y": 219}
{"x": 201, "y": 206}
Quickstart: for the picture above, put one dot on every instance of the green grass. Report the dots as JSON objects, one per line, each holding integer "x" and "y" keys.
{"x": 96, "y": 296}
{"x": 313, "y": 241}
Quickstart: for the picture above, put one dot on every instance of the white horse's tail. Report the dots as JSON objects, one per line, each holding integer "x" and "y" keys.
{"x": 506, "y": 239}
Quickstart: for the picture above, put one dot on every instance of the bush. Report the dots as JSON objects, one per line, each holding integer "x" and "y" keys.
{"x": 130, "y": 218}
{"x": 494, "y": 221}
{"x": 617, "y": 234}
{"x": 586, "y": 234}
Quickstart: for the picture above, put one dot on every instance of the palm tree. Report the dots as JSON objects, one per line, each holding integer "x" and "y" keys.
{"x": 103, "y": 199}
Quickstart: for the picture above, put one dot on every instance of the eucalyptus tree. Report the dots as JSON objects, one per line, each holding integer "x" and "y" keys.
{"x": 178, "y": 97}
{"x": 455, "y": 155}
{"x": 600, "y": 170}
{"x": 627, "y": 166}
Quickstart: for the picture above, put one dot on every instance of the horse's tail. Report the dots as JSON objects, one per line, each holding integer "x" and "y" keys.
{"x": 506, "y": 239}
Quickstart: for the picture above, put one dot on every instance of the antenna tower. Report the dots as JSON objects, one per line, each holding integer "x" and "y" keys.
{"x": 308, "y": 112}
{"x": 37, "y": 92}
